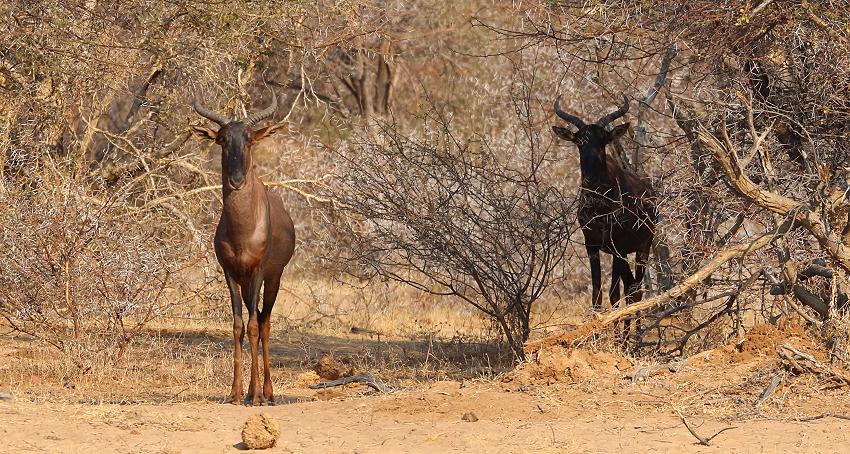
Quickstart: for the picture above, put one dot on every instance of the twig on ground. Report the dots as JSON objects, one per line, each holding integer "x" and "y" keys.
{"x": 365, "y": 379}
{"x": 702, "y": 440}
{"x": 642, "y": 373}
{"x": 800, "y": 362}
{"x": 823, "y": 415}
{"x": 774, "y": 383}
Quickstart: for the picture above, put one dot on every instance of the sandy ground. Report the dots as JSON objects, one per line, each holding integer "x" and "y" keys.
{"x": 424, "y": 420}
{"x": 562, "y": 400}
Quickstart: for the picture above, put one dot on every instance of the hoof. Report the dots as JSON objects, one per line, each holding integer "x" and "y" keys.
{"x": 255, "y": 402}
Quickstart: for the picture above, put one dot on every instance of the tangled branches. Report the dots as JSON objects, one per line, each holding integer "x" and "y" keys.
{"x": 453, "y": 217}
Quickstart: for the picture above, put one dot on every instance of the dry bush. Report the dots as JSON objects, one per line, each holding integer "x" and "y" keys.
{"x": 94, "y": 99}
{"x": 112, "y": 203}
{"x": 82, "y": 274}
{"x": 457, "y": 216}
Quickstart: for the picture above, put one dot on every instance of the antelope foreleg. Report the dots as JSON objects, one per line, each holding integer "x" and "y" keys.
{"x": 251, "y": 296}
{"x": 628, "y": 286}
{"x": 270, "y": 289}
{"x": 238, "y": 334}
{"x": 636, "y": 293}
{"x": 595, "y": 277}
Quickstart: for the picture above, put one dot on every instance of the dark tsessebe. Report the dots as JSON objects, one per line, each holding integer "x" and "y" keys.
{"x": 616, "y": 207}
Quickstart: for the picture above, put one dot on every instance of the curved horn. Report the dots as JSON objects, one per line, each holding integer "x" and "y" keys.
{"x": 263, "y": 114}
{"x": 209, "y": 114}
{"x": 616, "y": 114}
{"x": 567, "y": 117}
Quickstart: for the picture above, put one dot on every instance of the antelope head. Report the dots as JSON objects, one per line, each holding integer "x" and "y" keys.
{"x": 591, "y": 139}
{"x": 236, "y": 138}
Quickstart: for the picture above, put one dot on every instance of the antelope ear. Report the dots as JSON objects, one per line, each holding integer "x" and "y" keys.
{"x": 262, "y": 133}
{"x": 203, "y": 133}
{"x": 619, "y": 130}
{"x": 564, "y": 133}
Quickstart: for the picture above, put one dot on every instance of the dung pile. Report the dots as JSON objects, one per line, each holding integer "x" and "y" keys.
{"x": 260, "y": 432}
{"x": 329, "y": 368}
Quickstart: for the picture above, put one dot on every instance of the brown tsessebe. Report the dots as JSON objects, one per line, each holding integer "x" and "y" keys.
{"x": 616, "y": 208}
{"x": 254, "y": 241}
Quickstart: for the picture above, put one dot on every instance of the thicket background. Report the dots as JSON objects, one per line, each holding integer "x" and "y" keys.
{"x": 418, "y": 153}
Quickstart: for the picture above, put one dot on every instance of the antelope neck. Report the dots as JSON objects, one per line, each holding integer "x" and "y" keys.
{"x": 598, "y": 179}
{"x": 244, "y": 209}
{"x": 592, "y": 168}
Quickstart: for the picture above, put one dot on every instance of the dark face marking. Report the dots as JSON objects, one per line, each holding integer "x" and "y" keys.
{"x": 591, "y": 141}
{"x": 235, "y": 141}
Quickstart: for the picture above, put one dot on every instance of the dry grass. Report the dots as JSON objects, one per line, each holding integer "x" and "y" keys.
{"x": 394, "y": 332}
{"x": 399, "y": 335}
{"x": 182, "y": 363}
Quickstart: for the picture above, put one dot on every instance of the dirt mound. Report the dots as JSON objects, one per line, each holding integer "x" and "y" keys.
{"x": 260, "y": 432}
{"x": 568, "y": 365}
{"x": 762, "y": 340}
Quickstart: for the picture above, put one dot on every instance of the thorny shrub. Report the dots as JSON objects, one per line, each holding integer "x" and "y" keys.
{"x": 82, "y": 273}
